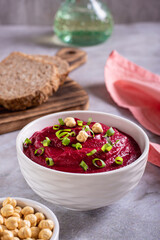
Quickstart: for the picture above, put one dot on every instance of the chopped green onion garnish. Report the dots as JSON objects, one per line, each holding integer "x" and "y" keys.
{"x": 78, "y": 146}
{"x": 116, "y": 141}
{"x": 106, "y": 147}
{"x": 96, "y": 165}
{"x": 86, "y": 128}
{"x": 109, "y": 147}
{"x": 80, "y": 123}
{"x": 119, "y": 160}
{"x": 89, "y": 121}
{"x": 27, "y": 141}
{"x": 65, "y": 141}
{"x": 56, "y": 127}
{"x": 72, "y": 134}
{"x": 62, "y": 132}
{"x": 41, "y": 150}
{"x": 103, "y": 148}
{"x": 83, "y": 165}
{"x": 92, "y": 132}
{"x": 49, "y": 161}
{"x": 92, "y": 152}
{"x": 109, "y": 141}
{"x": 46, "y": 142}
{"x": 61, "y": 121}
{"x": 110, "y": 132}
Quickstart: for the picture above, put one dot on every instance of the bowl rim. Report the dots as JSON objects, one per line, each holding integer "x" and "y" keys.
{"x": 31, "y": 202}
{"x": 143, "y": 155}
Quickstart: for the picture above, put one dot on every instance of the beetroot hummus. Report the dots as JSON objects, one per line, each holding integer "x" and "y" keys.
{"x": 56, "y": 147}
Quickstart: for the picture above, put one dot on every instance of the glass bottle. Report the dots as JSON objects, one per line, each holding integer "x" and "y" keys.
{"x": 83, "y": 22}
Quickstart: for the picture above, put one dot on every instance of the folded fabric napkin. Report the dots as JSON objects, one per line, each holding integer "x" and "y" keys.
{"x": 154, "y": 154}
{"x": 137, "y": 89}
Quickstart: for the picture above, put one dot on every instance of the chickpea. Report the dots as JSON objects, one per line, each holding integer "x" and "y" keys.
{"x": 34, "y": 232}
{"x": 32, "y": 218}
{"x": 46, "y": 224}
{"x": 21, "y": 223}
{"x": 7, "y": 235}
{"x": 11, "y": 223}
{"x": 1, "y": 219}
{"x": 40, "y": 216}
{"x": 18, "y": 209}
{"x": 24, "y": 223}
{"x": 7, "y": 210}
{"x": 15, "y": 232}
{"x": 97, "y": 128}
{"x": 1, "y": 230}
{"x": 15, "y": 214}
{"x": 82, "y": 136}
{"x": 27, "y": 210}
{"x": 4, "y": 227}
{"x": 29, "y": 239}
{"x": 70, "y": 122}
{"x": 24, "y": 232}
{"x": 45, "y": 234}
{"x": 10, "y": 201}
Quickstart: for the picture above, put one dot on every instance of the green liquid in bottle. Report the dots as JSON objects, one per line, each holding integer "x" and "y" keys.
{"x": 83, "y": 23}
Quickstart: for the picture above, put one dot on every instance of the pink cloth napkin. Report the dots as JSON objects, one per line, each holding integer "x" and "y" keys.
{"x": 154, "y": 154}
{"x": 137, "y": 89}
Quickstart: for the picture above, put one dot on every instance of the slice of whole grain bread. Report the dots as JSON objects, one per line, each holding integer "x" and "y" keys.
{"x": 25, "y": 81}
{"x": 62, "y": 65}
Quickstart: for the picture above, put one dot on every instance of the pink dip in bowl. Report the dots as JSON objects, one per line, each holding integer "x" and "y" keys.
{"x": 68, "y": 158}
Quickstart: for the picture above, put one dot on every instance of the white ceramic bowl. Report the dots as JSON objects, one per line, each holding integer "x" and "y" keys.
{"x": 83, "y": 191}
{"x": 22, "y": 202}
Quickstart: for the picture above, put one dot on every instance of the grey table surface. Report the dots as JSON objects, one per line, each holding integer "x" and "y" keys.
{"x": 137, "y": 215}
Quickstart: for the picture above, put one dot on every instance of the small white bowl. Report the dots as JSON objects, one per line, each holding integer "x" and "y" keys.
{"x": 83, "y": 191}
{"x": 22, "y": 202}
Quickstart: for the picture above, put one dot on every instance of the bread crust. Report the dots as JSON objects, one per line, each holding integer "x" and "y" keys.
{"x": 36, "y": 97}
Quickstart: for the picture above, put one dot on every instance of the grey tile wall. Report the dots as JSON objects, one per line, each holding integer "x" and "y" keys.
{"x": 41, "y": 12}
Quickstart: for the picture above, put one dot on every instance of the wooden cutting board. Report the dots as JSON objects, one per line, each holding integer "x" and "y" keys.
{"x": 71, "y": 96}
